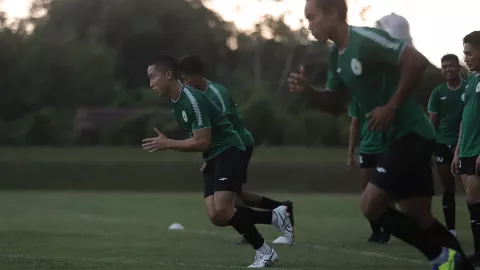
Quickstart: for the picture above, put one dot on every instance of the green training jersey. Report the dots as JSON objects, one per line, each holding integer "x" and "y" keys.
{"x": 470, "y": 138}
{"x": 221, "y": 97}
{"x": 448, "y": 105}
{"x": 194, "y": 110}
{"x": 371, "y": 142}
{"x": 369, "y": 68}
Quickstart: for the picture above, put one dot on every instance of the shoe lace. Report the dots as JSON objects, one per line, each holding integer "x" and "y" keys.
{"x": 284, "y": 226}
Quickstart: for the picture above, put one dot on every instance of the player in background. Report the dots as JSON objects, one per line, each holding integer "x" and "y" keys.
{"x": 371, "y": 149}
{"x": 223, "y": 151}
{"x": 191, "y": 69}
{"x": 380, "y": 73}
{"x": 445, "y": 108}
{"x": 467, "y": 154}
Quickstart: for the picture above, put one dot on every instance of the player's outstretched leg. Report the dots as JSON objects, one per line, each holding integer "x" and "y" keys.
{"x": 405, "y": 174}
{"x": 278, "y": 217}
{"x": 221, "y": 211}
{"x": 421, "y": 231}
{"x": 261, "y": 202}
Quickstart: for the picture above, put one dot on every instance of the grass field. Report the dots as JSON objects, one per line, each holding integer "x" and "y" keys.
{"x": 118, "y": 154}
{"x": 73, "y": 230}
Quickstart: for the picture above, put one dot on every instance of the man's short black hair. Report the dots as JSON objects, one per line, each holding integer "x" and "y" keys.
{"x": 340, "y": 6}
{"x": 191, "y": 65}
{"x": 451, "y": 57}
{"x": 473, "y": 39}
{"x": 166, "y": 63}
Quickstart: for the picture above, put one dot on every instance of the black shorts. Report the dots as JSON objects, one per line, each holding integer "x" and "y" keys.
{"x": 247, "y": 157}
{"x": 368, "y": 161}
{"x": 224, "y": 172}
{"x": 444, "y": 153}
{"x": 467, "y": 165}
{"x": 404, "y": 169}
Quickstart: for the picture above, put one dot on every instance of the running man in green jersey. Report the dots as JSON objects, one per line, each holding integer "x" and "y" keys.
{"x": 371, "y": 149}
{"x": 445, "y": 108}
{"x": 191, "y": 69}
{"x": 467, "y": 155}
{"x": 223, "y": 151}
{"x": 380, "y": 73}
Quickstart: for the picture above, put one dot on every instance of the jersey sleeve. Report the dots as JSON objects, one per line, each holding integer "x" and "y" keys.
{"x": 199, "y": 112}
{"x": 334, "y": 82}
{"x": 380, "y": 46}
{"x": 353, "y": 110}
{"x": 433, "y": 103}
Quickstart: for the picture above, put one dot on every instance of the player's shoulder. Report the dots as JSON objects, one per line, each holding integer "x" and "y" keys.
{"x": 365, "y": 32}
{"x": 368, "y": 35}
{"x": 439, "y": 88}
{"x": 218, "y": 87}
{"x": 194, "y": 97}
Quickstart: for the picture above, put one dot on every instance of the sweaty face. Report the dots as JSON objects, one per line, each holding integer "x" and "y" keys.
{"x": 320, "y": 22}
{"x": 158, "y": 80}
{"x": 450, "y": 69}
{"x": 472, "y": 57}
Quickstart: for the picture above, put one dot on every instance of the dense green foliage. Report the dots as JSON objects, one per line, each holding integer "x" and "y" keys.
{"x": 74, "y": 73}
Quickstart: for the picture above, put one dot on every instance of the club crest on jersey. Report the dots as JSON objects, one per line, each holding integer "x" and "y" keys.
{"x": 356, "y": 67}
{"x": 463, "y": 97}
{"x": 184, "y": 115}
{"x": 478, "y": 88}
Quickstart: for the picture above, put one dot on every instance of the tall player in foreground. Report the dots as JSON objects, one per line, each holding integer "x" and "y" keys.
{"x": 467, "y": 155}
{"x": 380, "y": 72}
{"x": 445, "y": 108}
{"x": 223, "y": 151}
{"x": 191, "y": 69}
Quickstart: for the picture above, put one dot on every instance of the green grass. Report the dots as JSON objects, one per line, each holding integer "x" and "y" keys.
{"x": 73, "y": 230}
{"x": 115, "y": 154}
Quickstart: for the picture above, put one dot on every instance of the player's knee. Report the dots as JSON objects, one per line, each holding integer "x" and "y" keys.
{"x": 473, "y": 195}
{"x": 216, "y": 219}
{"x": 368, "y": 208}
{"x": 222, "y": 216}
{"x": 473, "y": 198}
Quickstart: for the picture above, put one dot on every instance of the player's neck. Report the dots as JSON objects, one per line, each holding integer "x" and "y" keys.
{"x": 176, "y": 91}
{"x": 340, "y": 35}
{"x": 203, "y": 84}
{"x": 454, "y": 84}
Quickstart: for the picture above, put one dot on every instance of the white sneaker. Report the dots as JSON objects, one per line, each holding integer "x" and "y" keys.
{"x": 263, "y": 260}
{"x": 282, "y": 223}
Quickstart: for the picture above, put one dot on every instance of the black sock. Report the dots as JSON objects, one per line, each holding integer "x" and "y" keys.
{"x": 406, "y": 229}
{"x": 475, "y": 225}
{"x": 448, "y": 201}
{"x": 375, "y": 227}
{"x": 266, "y": 203}
{"x": 258, "y": 216}
{"x": 244, "y": 225}
{"x": 440, "y": 235}
{"x": 386, "y": 231}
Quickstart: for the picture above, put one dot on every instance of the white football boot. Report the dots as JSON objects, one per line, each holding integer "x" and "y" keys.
{"x": 282, "y": 222}
{"x": 263, "y": 260}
